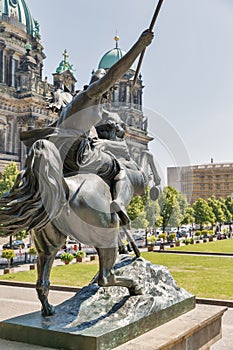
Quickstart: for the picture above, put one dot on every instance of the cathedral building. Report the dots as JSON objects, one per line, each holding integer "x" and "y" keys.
{"x": 24, "y": 93}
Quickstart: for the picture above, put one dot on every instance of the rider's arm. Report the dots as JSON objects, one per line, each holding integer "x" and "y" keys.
{"x": 118, "y": 148}
{"x": 118, "y": 69}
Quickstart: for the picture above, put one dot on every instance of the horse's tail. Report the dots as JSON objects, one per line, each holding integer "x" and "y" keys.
{"x": 39, "y": 193}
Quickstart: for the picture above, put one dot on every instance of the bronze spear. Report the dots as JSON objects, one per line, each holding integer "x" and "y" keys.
{"x": 143, "y": 52}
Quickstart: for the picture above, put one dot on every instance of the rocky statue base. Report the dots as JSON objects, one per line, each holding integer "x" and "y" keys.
{"x": 99, "y": 318}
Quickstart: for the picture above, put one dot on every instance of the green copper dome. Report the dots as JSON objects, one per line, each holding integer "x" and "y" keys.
{"x": 110, "y": 58}
{"x": 113, "y": 56}
{"x": 17, "y": 13}
{"x": 64, "y": 64}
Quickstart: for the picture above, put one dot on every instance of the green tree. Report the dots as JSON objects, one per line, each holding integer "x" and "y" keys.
{"x": 203, "y": 214}
{"x": 229, "y": 205}
{"x": 153, "y": 213}
{"x": 176, "y": 216}
{"x": 8, "y": 254}
{"x": 218, "y": 211}
{"x": 141, "y": 221}
{"x": 183, "y": 204}
{"x": 135, "y": 207}
{"x": 8, "y": 177}
{"x": 21, "y": 235}
{"x": 188, "y": 217}
{"x": 169, "y": 207}
{"x": 143, "y": 211}
{"x": 227, "y": 213}
{"x": 152, "y": 210}
{"x": 185, "y": 210}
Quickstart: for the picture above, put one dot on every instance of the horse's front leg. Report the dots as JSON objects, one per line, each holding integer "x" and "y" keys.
{"x": 107, "y": 277}
{"x": 44, "y": 265}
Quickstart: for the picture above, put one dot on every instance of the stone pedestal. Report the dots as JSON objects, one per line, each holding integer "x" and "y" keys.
{"x": 196, "y": 330}
{"x": 101, "y": 329}
{"x": 93, "y": 257}
{"x": 8, "y": 270}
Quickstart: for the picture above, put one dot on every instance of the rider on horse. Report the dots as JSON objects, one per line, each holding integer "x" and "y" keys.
{"x": 80, "y": 146}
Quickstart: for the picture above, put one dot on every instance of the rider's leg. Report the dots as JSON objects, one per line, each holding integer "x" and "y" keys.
{"x": 130, "y": 181}
{"x": 122, "y": 193}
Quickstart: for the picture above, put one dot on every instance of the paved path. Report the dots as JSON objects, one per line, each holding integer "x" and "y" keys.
{"x": 17, "y": 301}
{"x": 226, "y": 343}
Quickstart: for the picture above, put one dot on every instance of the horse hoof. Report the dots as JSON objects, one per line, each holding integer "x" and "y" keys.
{"x": 49, "y": 311}
{"x": 136, "y": 290}
{"x": 122, "y": 250}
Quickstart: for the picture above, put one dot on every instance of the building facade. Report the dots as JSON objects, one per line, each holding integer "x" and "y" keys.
{"x": 22, "y": 90}
{"x": 24, "y": 93}
{"x": 202, "y": 181}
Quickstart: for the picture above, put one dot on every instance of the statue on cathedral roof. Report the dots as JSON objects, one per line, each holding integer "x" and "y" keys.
{"x": 59, "y": 99}
{"x": 36, "y": 30}
{"x": 28, "y": 62}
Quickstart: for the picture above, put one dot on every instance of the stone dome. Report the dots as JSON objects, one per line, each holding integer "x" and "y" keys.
{"x": 16, "y": 12}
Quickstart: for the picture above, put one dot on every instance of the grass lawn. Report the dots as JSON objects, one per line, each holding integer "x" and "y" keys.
{"x": 204, "y": 276}
{"x": 219, "y": 246}
{"x": 67, "y": 275}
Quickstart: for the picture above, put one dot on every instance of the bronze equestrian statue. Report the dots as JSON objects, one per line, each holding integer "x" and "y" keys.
{"x": 66, "y": 186}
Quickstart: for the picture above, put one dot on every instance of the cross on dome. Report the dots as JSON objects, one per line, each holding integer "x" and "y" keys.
{"x": 65, "y": 55}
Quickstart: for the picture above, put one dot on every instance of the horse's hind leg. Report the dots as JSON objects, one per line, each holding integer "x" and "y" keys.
{"x": 107, "y": 278}
{"x": 47, "y": 241}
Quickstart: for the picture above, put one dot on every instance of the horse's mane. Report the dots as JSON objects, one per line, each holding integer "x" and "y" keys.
{"x": 39, "y": 193}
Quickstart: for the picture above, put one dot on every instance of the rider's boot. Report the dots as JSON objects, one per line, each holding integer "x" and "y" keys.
{"x": 118, "y": 207}
{"x": 122, "y": 194}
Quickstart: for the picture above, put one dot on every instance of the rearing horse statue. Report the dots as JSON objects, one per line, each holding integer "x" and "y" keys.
{"x": 56, "y": 195}
{"x": 57, "y": 207}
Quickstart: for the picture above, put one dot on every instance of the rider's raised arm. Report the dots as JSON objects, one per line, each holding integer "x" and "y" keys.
{"x": 118, "y": 69}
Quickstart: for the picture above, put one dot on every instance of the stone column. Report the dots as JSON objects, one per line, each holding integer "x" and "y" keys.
{"x": 2, "y": 140}
{"x": 20, "y": 152}
{"x": 140, "y": 99}
{"x": 128, "y": 94}
{"x": 9, "y": 138}
{"x": 2, "y": 47}
{"x": 12, "y": 136}
{"x": 10, "y": 68}
{"x": 116, "y": 93}
{"x": 6, "y": 135}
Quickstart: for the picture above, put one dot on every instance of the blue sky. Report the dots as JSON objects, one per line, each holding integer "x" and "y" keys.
{"x": 187, "y": 71}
